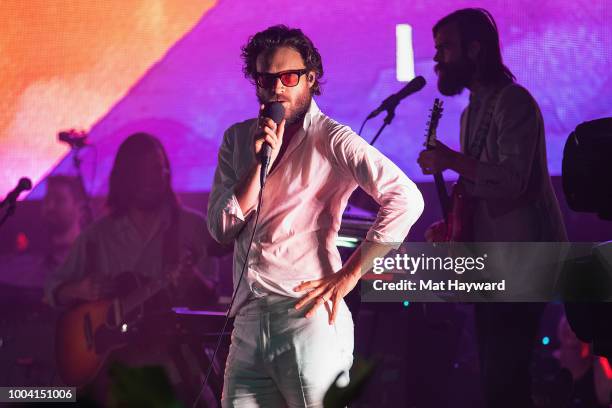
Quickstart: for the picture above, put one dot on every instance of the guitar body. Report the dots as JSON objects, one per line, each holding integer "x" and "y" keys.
{"x": 87, "y": 333}
{"x": 78, "y": 357}
{"x": 459, "y": 220}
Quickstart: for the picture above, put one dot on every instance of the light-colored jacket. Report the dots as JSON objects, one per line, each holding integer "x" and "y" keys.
{"x": 516, "y": 200}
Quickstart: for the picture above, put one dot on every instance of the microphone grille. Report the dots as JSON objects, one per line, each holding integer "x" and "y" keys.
{"x": 25, "y": 183}
{"x": 274, "y": 111}
{"x": 419, "y": 82}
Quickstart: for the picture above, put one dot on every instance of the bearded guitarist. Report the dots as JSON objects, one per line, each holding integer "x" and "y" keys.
{"x": 505, "y": 187}
{"x": 147, "y": 232}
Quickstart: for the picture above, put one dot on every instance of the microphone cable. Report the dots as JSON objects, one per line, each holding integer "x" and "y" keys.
{"x": 227, "y": 317}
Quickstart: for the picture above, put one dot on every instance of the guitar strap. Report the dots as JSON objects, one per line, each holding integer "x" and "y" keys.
{"x": 170, "y": 246}
{"x": 170, "y": 254}
{"x": 477, "y": 142}
{"x": 171, "y": 242}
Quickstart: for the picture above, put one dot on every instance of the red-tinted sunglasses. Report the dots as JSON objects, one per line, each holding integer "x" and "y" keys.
{"x": 288, "y": 78}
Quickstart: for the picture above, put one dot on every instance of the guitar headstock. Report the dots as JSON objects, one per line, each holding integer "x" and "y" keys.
{"x": 432, "y": 123}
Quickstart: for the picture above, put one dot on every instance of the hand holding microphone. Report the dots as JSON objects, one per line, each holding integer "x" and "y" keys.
{"x": 269, "y": 139}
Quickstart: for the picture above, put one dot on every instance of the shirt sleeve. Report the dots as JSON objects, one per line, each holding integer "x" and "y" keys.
{"x": 520, "y": 126}
{"x": 401, "y": 202}
{"x": 224, "y": 216}
{"x": 72, "y": 269}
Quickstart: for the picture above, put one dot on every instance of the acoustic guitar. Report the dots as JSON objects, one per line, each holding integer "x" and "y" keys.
{"x": 87, "y": 333}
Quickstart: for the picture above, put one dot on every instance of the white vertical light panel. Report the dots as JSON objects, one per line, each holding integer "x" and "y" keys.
{"x": 404, "y": 53}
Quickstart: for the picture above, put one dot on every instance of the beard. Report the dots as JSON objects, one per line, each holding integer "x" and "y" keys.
{"x": 297, "y": 110}
{"x": 455, "y": 76}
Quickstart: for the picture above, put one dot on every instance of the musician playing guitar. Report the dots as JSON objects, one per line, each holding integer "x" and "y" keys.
{"x": 146, "y": 233}
{"x": 504, "y": 182}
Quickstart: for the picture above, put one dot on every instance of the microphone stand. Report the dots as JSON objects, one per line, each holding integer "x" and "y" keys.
{"x": 25, "y": 184}
{"x": 386, "y": 122}
{"x": 76, "y": 162}
{"x": 10, "y": 210}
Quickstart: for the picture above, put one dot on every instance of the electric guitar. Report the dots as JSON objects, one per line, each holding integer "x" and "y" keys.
{"x": 456, "y": 208}
{"x": 87, "y": 333}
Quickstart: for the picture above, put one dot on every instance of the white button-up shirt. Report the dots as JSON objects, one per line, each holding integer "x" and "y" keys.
{"x": 303, "y": 201}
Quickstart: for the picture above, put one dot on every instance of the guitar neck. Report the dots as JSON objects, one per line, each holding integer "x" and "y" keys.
{"x": 442, "y": 195}
{"x": 430, "y": 143}
{"x": 141, "y": 295}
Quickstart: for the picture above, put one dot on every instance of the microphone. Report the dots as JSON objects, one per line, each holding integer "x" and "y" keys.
{"x": 24, "y": 184}
{"x": 392, "y": 101}
{"x": 276, "y": 112}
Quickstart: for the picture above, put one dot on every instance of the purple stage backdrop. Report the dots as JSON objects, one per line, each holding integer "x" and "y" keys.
{"x": 560, "y": 50}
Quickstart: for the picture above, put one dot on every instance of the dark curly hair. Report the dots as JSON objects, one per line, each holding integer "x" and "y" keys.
{"x": 282, "y": 36}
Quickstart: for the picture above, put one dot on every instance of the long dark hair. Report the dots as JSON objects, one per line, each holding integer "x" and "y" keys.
{"x": 477, "y": 24}
{"x": 282, "y": 36}
{"x": 123, "y": 181}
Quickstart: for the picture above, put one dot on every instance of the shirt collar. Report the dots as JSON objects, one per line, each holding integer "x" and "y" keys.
{"x": 298, "y": 138}
{"x": 313, "y": 111}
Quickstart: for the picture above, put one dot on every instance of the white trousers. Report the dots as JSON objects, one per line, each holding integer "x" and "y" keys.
{"x": 279, "y": 358}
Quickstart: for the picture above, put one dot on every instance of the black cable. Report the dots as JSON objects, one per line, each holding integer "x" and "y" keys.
{"x": 246, "y": 260}
{"x": 76, "y": 162}
{"x": 382, "y": 127}
{"x": 362, "y": 125}
{"x": 94, "y": 171}
{"x": 10, "y": 210}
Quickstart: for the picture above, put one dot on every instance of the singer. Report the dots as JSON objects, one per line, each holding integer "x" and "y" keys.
{"x": 293, "y": 333}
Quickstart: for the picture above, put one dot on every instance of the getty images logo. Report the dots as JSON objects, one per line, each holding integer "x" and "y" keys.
{"x": 412, "y": 264}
